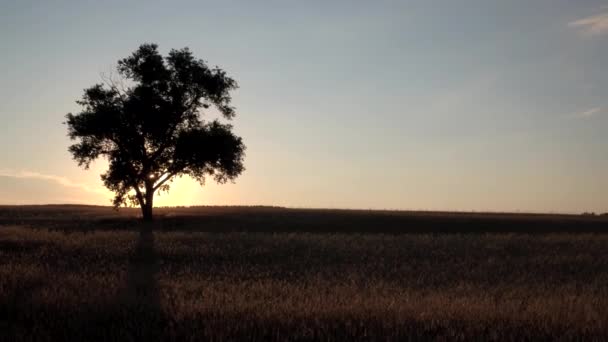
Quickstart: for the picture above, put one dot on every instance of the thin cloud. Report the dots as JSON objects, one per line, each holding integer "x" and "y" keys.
{"x": 592, "y": 25}
{"x": 588, "y": 113}
{"x": 52, "y": 178}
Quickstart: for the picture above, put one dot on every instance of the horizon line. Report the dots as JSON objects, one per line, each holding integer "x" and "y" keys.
{"x": 448, "y": 211}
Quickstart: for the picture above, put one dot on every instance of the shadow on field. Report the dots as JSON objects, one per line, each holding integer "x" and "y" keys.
{"x": 143, "y": 267}
{"x": 141, "y": 293}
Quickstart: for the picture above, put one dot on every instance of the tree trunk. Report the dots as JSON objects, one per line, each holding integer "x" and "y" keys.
{"x": 146, "y": 210}
{"x": 146, "y": 207}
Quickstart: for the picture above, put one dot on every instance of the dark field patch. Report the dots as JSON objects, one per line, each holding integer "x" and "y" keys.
{"x": 276, "y": 219}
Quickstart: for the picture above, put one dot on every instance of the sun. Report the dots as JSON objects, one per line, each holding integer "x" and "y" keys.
{"x": 184, "y": 192}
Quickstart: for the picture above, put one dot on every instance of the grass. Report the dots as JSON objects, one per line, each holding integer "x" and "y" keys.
{"x": 86, "y": 273}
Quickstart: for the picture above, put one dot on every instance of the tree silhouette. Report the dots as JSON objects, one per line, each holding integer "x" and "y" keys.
{"x": 148, "y": 126}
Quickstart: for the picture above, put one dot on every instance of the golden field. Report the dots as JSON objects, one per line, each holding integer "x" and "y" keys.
{"x": 88, "y": 273}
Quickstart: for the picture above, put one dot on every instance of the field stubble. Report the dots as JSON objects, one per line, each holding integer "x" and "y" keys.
{"x": 176, "y": 285}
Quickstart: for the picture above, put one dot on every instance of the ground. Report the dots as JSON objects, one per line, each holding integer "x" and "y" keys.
{"x": 262, "y": 273}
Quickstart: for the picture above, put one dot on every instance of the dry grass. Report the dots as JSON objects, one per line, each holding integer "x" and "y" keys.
{"x": 188, "y": 285}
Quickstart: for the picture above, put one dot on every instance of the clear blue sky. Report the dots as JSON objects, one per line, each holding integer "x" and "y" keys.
{"x": 454, "y": 105}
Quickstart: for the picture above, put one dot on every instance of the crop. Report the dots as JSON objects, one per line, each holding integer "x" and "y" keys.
{"x": 141, "y": 283}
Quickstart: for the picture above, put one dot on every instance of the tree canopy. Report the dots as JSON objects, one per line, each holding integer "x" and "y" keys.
{"x": 148, "y": 125}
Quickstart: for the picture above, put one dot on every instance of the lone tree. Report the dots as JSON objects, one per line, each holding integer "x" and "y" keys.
{"x": 148, "y": 126}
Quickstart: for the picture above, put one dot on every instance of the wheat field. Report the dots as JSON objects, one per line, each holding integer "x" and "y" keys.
{"x": 121, "y": 280}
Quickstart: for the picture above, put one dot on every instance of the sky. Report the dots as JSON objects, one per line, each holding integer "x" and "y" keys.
{"x": 417, "y": 105}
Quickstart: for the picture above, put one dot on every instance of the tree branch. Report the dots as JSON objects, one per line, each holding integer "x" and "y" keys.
{"x": 109, "y": 81}
{"x": 163, "y": 181}
{"x": 139, "y": 195}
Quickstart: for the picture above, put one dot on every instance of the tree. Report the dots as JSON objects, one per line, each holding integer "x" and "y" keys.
{"x": 148, "y": 125}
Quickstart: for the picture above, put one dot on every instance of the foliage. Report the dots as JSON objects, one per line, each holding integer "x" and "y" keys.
{"x": 148, "y": 125}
